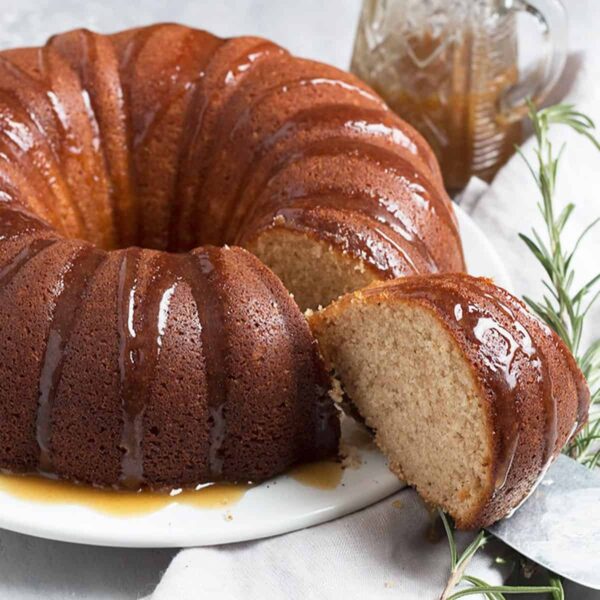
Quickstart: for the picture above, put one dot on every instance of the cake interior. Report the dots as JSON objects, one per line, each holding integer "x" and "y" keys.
{"x": 410, "y": 382}
{"x": 313, "y": 271}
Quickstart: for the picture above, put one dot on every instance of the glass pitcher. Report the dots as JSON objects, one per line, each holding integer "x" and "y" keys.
{"x": 450, "y": 68}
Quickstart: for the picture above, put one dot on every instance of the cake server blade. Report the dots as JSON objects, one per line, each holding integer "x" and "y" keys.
{"x": 558, "y": 526}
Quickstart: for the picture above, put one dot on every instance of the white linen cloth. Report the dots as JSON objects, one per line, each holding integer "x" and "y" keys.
{"x": 380, "y": 552}
{"x": 377, "y": 553}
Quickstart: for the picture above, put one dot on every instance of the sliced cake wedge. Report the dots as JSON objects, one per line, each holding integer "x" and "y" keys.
{"x": 469, "y": 395}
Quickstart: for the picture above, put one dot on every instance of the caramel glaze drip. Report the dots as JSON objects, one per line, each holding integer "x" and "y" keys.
{"x": 383, "y": 219}
{"x": 180, "y": 79}
{"x": 19, "y": 138}
{"x": 74, "y": 283}
{"x": 386, "y": 253}
{"x": 380, "y": 210}
{"x": 89, "y": 62}
{"x": 334, "y": 120}
{"x": 185, "y": 73}
{"x": 30, "y": 251}
{"x": 345, "y": 121}
{"x": 128, "y": 60}
{"x": 141, "y": 322}
{"x": 127, "y": 66}
{"x": 202, "y": 270}
{"x": 59, "y": 146}
{"x": 68, "y": 140}
{"x": 142, "y": 317}
{"x": 17, "y": 221}
{"x": 129, "y": 361}
{"x": 501, "y": 350}
{"x": 69, "y": 144}
{"x": 94, "y": 75}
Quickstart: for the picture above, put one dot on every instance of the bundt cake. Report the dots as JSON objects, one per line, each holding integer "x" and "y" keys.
{"x": 469, "y": 395}
{"x": 136, "y": 347}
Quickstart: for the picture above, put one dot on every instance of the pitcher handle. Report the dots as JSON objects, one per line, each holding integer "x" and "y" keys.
{"x": 552, "y": 18}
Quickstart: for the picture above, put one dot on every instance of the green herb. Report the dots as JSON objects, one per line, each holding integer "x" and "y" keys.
{"x": 479, "y": 586}
{"x": 564, "y": 309}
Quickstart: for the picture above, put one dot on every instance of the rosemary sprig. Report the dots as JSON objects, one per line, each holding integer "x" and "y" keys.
{"x": 477, "y": 585}
{"x": 563, "y": 307}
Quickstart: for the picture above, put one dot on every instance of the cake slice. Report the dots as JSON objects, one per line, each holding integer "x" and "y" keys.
{"x": 470, "y": 396}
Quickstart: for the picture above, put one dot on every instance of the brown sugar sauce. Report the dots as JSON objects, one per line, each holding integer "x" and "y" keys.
{"x": 325, "y": 475}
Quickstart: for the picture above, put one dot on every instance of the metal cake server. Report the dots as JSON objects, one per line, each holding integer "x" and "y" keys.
{"x": 558, "y": 526}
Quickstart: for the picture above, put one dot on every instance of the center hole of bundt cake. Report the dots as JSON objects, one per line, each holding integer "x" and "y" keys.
{"x": 311, "y": 268}
{"x": 158, "y": 230}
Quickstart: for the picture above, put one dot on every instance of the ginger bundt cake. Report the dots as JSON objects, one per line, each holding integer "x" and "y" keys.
{"x": 469, "y": 395}
{"x": 135, "y": 352}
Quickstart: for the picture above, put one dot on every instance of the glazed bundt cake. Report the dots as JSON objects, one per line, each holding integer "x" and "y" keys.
{"x": 129, "y": 358}
{"x": 469, "y": 395}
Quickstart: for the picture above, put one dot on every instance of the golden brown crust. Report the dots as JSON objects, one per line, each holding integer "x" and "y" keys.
{"x": 536, "y": 397}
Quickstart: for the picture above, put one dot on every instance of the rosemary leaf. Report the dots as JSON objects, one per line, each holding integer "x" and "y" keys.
{"x": 506, "y": 589}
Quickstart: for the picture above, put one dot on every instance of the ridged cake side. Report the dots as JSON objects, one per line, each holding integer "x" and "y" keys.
{"x": 168, "y": 137}
{"x": 137, "y": 367}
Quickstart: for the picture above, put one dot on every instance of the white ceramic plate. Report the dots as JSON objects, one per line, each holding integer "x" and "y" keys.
{"x": 281, "y": 505}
